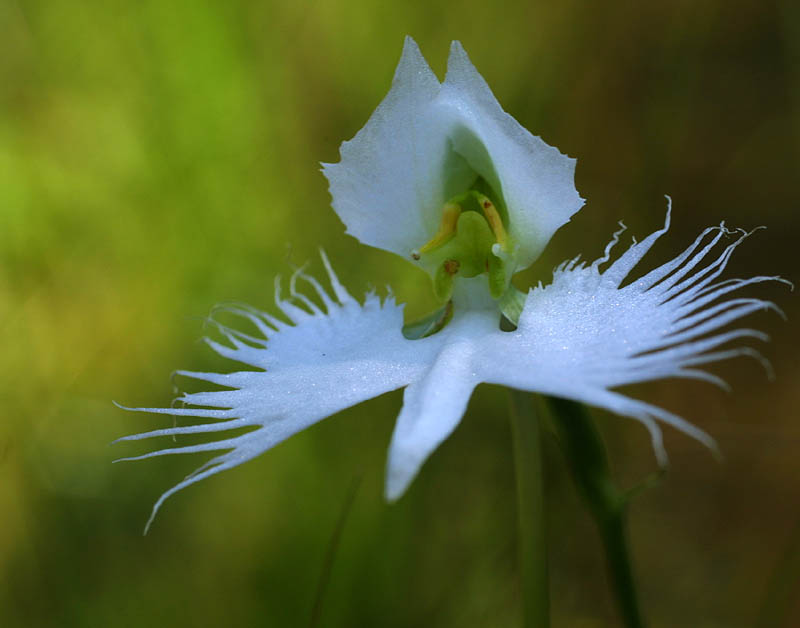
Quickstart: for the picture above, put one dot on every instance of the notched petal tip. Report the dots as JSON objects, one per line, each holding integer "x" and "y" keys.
{"x": 411, "y": 54}
{"x": 458, "y": 61}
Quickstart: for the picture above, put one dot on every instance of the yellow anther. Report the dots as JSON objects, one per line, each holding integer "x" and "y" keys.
{"x": 447, "y": 228}
{"x": 493, "y": 218}
{"x": 471, "y": 240}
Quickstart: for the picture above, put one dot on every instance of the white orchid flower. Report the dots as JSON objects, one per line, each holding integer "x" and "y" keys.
{"x": 416, "y": 181}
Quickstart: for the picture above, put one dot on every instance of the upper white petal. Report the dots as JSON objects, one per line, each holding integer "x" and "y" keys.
{"x": 388, "y": 188}
{"x": 426, "y": 143}
{"x": 536, "y": 180}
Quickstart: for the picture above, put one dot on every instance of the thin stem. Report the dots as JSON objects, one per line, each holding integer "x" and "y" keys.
{"x": 588, "y": 460}
{"x": 532, "y": 539}
{"x": 614, "y": 534}
{"x": 330, "y": 554}
{"x": 782, "y": 586}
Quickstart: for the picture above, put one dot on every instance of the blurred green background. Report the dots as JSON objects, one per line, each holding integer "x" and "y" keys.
{"x": 157, "y": 158}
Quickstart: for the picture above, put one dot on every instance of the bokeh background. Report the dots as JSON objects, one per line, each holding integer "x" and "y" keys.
{"x": 157, "y": 158}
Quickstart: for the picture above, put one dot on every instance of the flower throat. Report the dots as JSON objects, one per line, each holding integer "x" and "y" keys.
{"x": 471, "y": 240}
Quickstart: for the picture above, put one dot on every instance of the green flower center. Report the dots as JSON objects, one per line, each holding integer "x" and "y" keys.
{"x": 471, "y": 240}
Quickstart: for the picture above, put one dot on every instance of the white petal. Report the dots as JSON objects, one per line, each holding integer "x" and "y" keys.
{"x": 388, "y": 187}
{"x": 584, "y": 334}
{"x": 535, "y": 180}
{"x": 426, "y": 143}
{"x": 577, "y": 338}
{"x": 323, "y": 363}
{"x": 433, "y": 406}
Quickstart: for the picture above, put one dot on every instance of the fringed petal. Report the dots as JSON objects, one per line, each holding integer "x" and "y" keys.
{"x": 331, "y": 357}
{"x": 579, "y": 337}
{"x": 585, "y": 333}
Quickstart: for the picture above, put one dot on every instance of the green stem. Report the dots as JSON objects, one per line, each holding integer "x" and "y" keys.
{"x": 330, "y": 554}
{"x": 782, "y": 586}
{"x": 587, "y": 457}
{"x": 613, "y": 532}
{"x": 532, "y": 538}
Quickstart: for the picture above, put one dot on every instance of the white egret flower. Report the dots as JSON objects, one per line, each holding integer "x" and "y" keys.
{"x": 442, "y": 176}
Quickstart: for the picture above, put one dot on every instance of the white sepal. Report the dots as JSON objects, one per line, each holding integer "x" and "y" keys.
{"x": 429, "y": 142}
